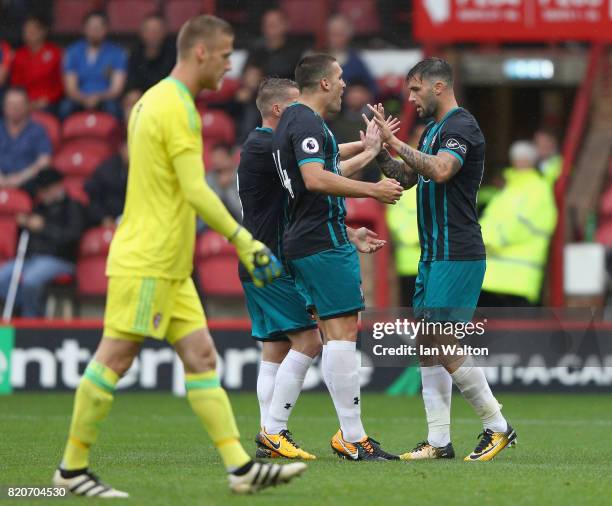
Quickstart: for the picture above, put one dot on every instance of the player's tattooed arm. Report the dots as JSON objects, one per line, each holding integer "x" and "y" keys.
{"x": 396, "y": 169}
{"x": 439, "y": 168}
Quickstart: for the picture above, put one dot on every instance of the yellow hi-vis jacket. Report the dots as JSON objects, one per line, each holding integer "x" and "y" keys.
{"x": 402, "y": 223}
{"x": 516, "y": 228}
{"x": 551, "y": 169}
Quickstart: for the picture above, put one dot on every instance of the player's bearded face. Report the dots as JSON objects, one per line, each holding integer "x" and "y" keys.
{"x": 421, "y": 94}
{"x": 216, "y": 61}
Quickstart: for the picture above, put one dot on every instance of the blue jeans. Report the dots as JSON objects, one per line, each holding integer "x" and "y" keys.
{"x": 38, "y": 272}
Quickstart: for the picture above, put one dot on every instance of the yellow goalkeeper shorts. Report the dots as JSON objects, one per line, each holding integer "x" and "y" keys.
{"x": 139, "y": 307}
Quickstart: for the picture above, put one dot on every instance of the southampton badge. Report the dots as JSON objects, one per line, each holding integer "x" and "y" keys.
{"x": 310, "y": 145}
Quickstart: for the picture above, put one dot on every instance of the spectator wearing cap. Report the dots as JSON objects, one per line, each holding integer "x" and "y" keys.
{"x": 275, "y": 55}
{"x": 55, "y": 226}
{"x": 354, "y": 70}
{"x": 25, "y": 147}
{"x": 94, "y": 70}
{"x": 38, "y": 66}
{"x": 154, "y": 55}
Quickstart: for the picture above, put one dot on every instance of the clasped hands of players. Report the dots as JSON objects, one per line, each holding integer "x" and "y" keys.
{"x": 387, "y": 190}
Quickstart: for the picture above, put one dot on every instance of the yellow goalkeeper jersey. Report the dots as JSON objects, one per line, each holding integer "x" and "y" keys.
{"x": 156, "y": 235}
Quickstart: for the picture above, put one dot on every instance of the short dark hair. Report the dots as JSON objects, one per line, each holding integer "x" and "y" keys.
{"x": 200, "y": 28}
{"x": 38, "y": 19}
{"x": 96, "y": 14}
{"x": 270, "y": 89}
{"x": 432, "y": 69}
{"x": 312, "y": 68}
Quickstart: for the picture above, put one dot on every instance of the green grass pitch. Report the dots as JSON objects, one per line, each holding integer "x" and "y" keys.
{"x": 153, "y": 447}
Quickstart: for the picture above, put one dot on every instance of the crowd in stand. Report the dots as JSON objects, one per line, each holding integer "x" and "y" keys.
{"x": 95, "y": 74}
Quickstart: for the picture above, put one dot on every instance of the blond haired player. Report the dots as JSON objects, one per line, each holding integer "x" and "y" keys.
{"x": 150, "y": 290}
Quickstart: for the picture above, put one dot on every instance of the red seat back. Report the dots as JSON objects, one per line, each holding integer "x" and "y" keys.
{"x": 80, "y": 157}
{"x": 604, "y": 233}
{"x": 179, "y": 11}
{"x": 362, "y": 13}
{"x": 217, "y": 266}
{"x": 229, "y": 87}
{"x": 91, "y": 264}
{"x": 304, "y": 16}
{"x": 391, "y": 85}
{"x": 605, "y": 204}
{"x": 364, "y": 213}
{"x": 92, "y": 124}
{"x": 14, "y": 201}
{"x": 125, "y": 16}
{"x": 217, "y": 127}
{"x": 8, "y": 238}
{"x": 51, "y": 125}
{"x": 69, "y": 14}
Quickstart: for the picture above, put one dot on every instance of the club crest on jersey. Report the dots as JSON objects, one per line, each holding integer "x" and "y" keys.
{"x": 310, "y": 145}
{"x": 455, "y": 144}
{"x": 157, "y": 320}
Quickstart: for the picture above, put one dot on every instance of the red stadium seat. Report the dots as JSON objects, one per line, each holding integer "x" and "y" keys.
{"x": 91, "y": 264}
{"x": 217, "y": 266}
{"x": 69, "y": 14}
{"x": 605, "y": 204}
{"x": 74, "y": 188}
{"x": 80, "y": 157}
{"x": 125, "y": 16}
{"x": 179, "y": 11}
{"x": 362, "y": 13}
{"x": 217, "y": 127}
{"x": 13, "y": 202}
{"x": 51, "y": 125}
{"x": 91, "y": 124}
{"x": 228, "y": 89}
{"x": 8, "y": 239}
{"x": 391, "y": 85}
{"x": 364, "y": 213}
{"x": 604, "y": 233}
{"x": 304, "y": 16}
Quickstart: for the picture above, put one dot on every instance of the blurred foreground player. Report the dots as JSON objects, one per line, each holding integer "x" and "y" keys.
{"x": 150, "y": 261}
{"x": 320, "y": 256}
{"x": 447, "y": 169}
{"x": 289, "y": 336}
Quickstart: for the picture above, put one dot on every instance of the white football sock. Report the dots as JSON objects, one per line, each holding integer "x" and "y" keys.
{"x": 325, "y": 368}
{"x": 437, "y": 392}
{"x": 473, "y": 384}
{"x": 265, "y": 387}
{"x": 287, "y": 388}
{"x": 343, "y": 376}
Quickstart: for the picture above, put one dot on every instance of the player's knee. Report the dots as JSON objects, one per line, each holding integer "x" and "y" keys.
{"x": 200, "y": 360}
{"x": 309, "y": 343}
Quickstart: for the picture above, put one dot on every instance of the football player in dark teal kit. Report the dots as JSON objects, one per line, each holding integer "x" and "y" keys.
{"x": 278, "y": 312}
{"x": 447, "y": 168}
{"x": 316, "y": 245}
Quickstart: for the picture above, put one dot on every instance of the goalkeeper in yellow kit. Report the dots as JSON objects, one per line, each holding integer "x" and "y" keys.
{"x": 150, "y": 290}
